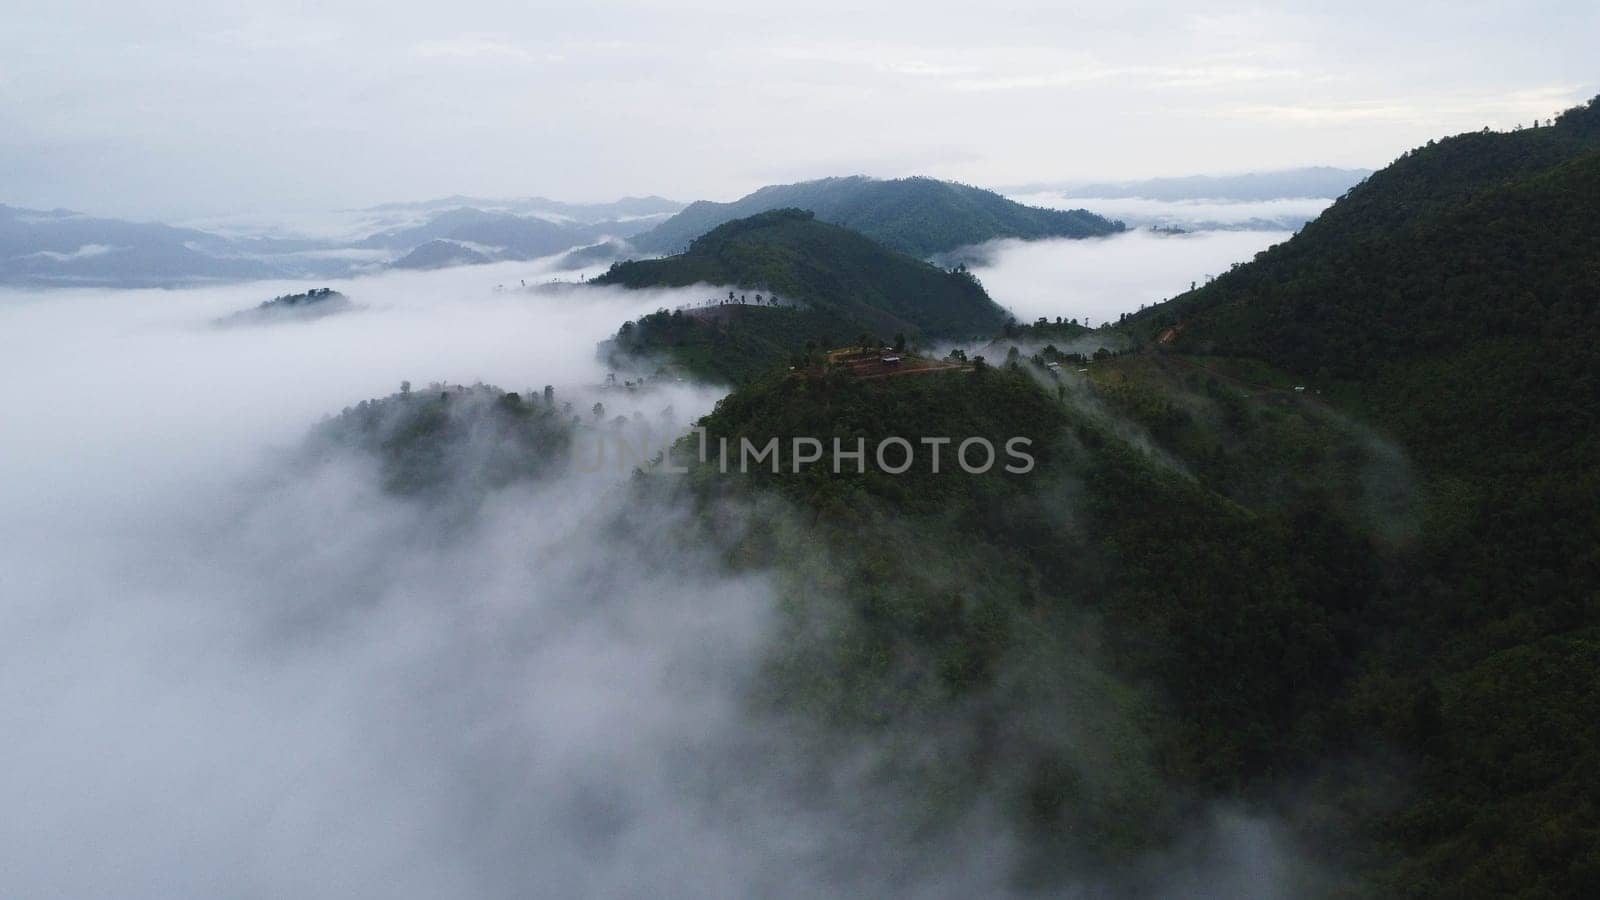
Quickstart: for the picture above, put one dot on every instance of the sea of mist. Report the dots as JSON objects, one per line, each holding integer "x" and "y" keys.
{"x": 1098, "y": 279}
{"x": 228, "y": 668}
{"x": 1279, "y": 214}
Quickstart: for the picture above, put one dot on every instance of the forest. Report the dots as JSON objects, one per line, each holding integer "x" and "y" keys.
{"x": 835, "y": 285}
{"x": 1319, "y": 540}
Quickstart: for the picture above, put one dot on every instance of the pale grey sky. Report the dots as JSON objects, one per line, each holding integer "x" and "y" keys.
{"x": 183, "y": 108}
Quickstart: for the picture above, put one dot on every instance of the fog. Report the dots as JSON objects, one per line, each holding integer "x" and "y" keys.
{"x": 1101, "y": 278}
{"x": 230, "y": 667}
{"x": 1280, "y": 214}
{"x": 227, "y": 672}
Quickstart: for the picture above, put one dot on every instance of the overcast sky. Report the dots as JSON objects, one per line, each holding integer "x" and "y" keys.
{"x": 181, "y": 108}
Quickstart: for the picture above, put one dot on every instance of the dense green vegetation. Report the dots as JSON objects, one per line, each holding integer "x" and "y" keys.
{"x": 1336, "y": 539}
{"x": 738, "y": 343}
{"x": 835, "y": 283}
{"x": 1453, "y": 302}
{"x": 1328, "y": 548}
{"x": 1106, "y": 643}
{"x": 305, "y": 298}
{"x": 919, "y": 216}
{"x": 451, "y": 440}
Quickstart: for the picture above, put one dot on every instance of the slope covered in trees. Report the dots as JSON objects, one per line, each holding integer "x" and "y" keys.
{"x": 919, "y": 216}
{"x": 1102, "y": 643}
{"x": 830, "y": 284}
{"x": 464, "y": 440}
{"x": 1453, "y": 302}
{"x": 1371, "y": 605}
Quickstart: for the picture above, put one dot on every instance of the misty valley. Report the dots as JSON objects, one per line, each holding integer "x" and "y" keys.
{"x": 1226, "y": 535}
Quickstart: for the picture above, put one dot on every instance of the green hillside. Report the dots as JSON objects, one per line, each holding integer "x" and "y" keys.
{"x": 1452, "y": 301}
{"x": 1104, "y": 644}
{"x": 1328, "y": 551}
{"x": 919, "y": 216}
{"x": 446, "y": 439}
{"x": 831, "y": 284}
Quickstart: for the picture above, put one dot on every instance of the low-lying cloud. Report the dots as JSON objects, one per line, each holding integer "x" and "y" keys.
{"x": 228, "y": 668}
{"x": 1101, "y": 278}
{"x": 1279, "y": 214}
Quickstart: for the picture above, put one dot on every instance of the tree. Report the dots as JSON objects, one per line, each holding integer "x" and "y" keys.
{"x": 900, "y": 342}
{"x": 599, "y": 409}
{"x": 405, "y": 388}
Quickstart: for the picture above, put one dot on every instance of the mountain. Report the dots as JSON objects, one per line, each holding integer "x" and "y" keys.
{"x": 593, "y": 255}
{"x": 1325, "y": 549}
{"x": 312, "y": 304}
{"x": 1101, "y": 645}
{"x": 1314, "y": 181}
{"x": 627, "y": 208}
{"x": 451, "y": 439}
{"x": 918, "y": 216}
{"x": 499, "y": 235}
{"x": 45, "y": 247}
{"x": 1448, "y": 302}
{"x": 818, "y": 282}
{"x": 61, "y": 247}
{"x": 440, "y": 254}
{"x": 504, "y": 235}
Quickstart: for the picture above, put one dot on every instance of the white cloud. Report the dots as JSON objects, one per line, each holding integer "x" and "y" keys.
{"x": 84, "y": 252}
{"x": 1101, "y": 278}
{"x": 367, "y": 103}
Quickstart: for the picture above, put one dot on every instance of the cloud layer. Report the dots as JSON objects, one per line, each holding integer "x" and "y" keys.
{"x": 206, "y": 110}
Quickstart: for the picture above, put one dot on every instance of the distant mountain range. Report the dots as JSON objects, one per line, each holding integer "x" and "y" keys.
{"x": 1314, "y": 181}
{"x": 918, "y": 216}
{"x": 628, "y": 208}
{"x": 922, "y": 217}
{"x": 63, "y": 247}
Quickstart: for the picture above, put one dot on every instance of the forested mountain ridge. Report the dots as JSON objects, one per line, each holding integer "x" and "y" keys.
{"x": 918, "y": 216}
{"x": 1378, "y": 595}
{"x": 1453, "y": 302}
{"x": 813, "y": 281}
{"x": 1103, "y": 644}
{"x": 1423, "y": 192}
